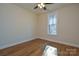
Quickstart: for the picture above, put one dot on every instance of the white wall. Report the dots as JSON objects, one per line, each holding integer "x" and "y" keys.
{"x": 16, "y": 25}
{"x": 67, "y": 25}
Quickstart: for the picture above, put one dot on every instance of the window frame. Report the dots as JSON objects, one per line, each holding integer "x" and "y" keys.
{"x": 55, "y": 24}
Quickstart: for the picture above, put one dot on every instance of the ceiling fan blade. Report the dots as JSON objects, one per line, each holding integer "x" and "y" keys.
{"x": 48, "y": 3}
{"x": 35, "y": 7}
{"x": 44, "y": 8}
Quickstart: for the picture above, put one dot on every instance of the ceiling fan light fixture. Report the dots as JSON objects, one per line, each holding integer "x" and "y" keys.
{"x": 41, "y": 5}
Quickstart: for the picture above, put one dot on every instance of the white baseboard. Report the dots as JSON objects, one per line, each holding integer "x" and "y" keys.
{"x": 9, "y": 45}
{"x": 66, "y": 43}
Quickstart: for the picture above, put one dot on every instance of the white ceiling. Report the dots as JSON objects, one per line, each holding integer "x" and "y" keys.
{"x": 50, "y": 7}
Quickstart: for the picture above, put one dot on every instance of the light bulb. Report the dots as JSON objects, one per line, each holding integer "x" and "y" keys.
{"x": 40, "y": 5}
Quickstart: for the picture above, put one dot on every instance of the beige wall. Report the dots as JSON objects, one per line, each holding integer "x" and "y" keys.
{"x": 67, "y": 25}
{"x": 16, "y": 25}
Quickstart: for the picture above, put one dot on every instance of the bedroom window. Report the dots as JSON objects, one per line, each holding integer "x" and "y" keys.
{"x": 52, "y": 24}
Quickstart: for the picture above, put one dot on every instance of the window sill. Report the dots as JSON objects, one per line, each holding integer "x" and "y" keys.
{"x": 54, "y": 34}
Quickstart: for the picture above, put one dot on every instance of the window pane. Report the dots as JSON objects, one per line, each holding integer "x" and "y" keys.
{"x": 50, "y": 20}
{"x": 52, "y": 25}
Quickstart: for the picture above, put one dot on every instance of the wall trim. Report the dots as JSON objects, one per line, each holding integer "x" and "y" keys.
{"x": 61, "y": 42}
{"x": 66, "y": 43}
{"x": 9, "y": 45}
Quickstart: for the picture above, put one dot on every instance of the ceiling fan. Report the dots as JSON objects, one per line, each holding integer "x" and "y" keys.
{"x": 42, "y": 6}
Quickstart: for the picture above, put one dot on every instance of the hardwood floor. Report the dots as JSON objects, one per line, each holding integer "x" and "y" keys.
{"x": 36, "y": 48}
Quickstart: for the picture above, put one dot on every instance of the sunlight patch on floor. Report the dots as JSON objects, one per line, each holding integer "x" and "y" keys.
{"x": 50, "y": 51}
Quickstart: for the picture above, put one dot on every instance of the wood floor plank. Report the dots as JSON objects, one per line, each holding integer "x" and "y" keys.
{"x": 35, "y": 48}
